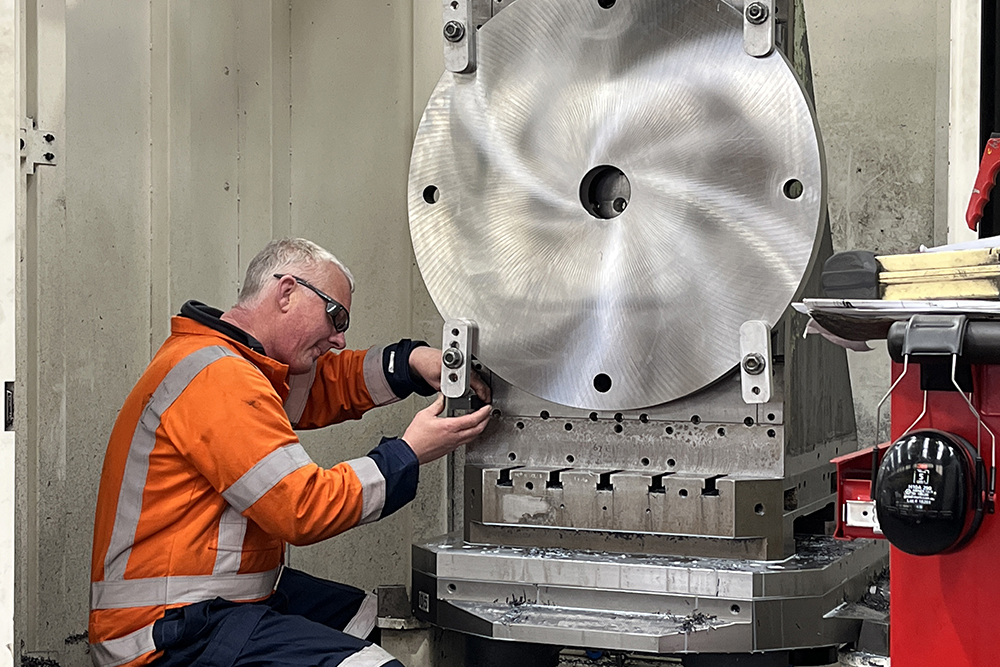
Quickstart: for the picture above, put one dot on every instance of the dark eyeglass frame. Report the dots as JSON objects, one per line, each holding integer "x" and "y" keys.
{"x": 339, "y": 317}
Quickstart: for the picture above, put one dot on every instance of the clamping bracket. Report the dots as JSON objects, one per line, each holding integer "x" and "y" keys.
{"x": 755, "y": 362}
{"x": 758, "y": 27}
{"x": 459, "y": 344}
{"x": 459, "y": 34}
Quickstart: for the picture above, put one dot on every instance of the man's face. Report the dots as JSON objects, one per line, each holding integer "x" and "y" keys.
{"x": 306, "y": 332}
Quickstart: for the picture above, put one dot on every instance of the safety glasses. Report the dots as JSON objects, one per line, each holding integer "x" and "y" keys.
{"x": 339, "y": 317}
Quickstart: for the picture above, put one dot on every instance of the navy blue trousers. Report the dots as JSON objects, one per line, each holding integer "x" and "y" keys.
{"x": 300, "y": 625}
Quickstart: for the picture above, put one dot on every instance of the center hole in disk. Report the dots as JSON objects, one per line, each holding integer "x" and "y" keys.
{"x": 605, "y": 192}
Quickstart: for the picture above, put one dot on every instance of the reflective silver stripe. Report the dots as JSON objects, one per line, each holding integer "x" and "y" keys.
{"x": 157, "y": 591}
{"x": 267, "y": 472}
{"x": 370, "y": 656}
{"x": 378, "y": 386}
{"x": 299, "y": 387}
{"x": 372, "y": 488}
{"x": 364, "y": 621}
{"x": 137, "y": 466}
{"x": 232, "y": 530}
{"x": 119, "y": 651}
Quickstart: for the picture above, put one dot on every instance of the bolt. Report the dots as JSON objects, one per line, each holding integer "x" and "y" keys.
{"x": 452, "y": 358}
{"x": 756, "y": 13}
{"x": 49, "y": 138}
{"x": 754, "y": 363}
{"x": 454, "y": 31}
{"x": 49, "y": 157}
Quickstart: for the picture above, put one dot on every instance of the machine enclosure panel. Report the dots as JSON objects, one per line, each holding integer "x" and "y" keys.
{"x": 941, "y": 606}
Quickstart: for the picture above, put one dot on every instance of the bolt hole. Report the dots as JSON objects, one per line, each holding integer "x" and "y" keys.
{"x": 431, "y": 196}
{"x": 644, "y": 418}
{"x": 452, "y": 588}
{"x": 758, "y": 509}
{"x": 793, "y": 188}
{"x": 602, "y": 383}
{"x": 593, "y": 416}
{"x": 669, "y": 430}
{"x": 771, "y": 433}
{"x": 605, "y": 191}
{"x": 735, "y": 609}
{"x": 454, "y": 4}
{"x": 695, "y": 419}
{"x": 683, "y": 493}
{"x": 495, "y": 413}
{"x": 606, "y": 4}
{"x": 619, "y": 417}
{"x": 529, "y": 486}
{"x": 472, "y": 492}
{"x": 519, "y": 424}
{"x": 671, "y": 463}
{"x": 453, "y": 377}
{"x": 618, "y": 428}
{"x": 770, "y": 416}
{"x": 512, "y": 456}
{"x": 605, "y": 508}
{"x": 721, "y": 431}
{"x": 644, "y": 461}
{"x": 748, "y": 421}
{"x": 570, "y": 458}
{"x": 568, "y": 427}
{"x": 755, "y": 390}
{"x": 544, "y": 414}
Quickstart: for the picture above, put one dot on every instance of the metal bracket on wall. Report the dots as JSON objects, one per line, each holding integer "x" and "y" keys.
{"x": 758, "y": 27}
{"x": 37, "y": 147}
{"x": 459, "y": 37}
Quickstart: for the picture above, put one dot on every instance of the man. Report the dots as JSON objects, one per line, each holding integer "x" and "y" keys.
{"x": 204, "y": 480}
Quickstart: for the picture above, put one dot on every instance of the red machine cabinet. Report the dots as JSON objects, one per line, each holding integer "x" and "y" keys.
{"x": 943, "y": 609}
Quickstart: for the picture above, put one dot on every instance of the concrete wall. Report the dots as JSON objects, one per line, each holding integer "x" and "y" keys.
{"x": 881, "y": 79}
{"x": 194, "y": 131}
{"x": 191, "y": 133}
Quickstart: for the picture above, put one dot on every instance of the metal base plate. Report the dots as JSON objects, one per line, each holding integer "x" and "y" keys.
{"x": 655, "y": 604}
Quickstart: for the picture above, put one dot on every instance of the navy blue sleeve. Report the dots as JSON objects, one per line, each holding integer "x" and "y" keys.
{"x": 401, "y": 470}
{"x": 396, "y": 366}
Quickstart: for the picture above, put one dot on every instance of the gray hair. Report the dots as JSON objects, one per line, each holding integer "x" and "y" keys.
{"x": 281, "y": 255}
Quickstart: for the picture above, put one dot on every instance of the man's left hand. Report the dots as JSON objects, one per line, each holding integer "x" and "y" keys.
{"x": 426, "y": 362}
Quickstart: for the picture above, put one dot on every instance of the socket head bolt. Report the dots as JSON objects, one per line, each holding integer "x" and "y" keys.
{"x": 754, "y": 363}
{"x": 756, "y": 13}
{"x": 452, "y": 358}
{"x": 454, "y": 31}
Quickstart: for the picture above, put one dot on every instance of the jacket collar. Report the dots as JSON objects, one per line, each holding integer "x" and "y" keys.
{"x": 199, "y": 319}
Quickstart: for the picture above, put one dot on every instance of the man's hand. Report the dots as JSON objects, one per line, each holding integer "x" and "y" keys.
{"x": 431, "y": 437}
{"x": 426, "y": 362}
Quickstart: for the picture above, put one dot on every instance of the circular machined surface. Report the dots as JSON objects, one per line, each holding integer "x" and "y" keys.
{"x": 694, "y": 146}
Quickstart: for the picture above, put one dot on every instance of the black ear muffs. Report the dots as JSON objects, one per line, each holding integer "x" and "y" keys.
{"x": 930, "y": 492}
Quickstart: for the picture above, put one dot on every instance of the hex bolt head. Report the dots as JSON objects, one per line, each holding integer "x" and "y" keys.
{"x": 452, "y": 358}
{"x": 454, "y": 31}
{"x": 754, "y": 363}
{"x": 756, "y": 13}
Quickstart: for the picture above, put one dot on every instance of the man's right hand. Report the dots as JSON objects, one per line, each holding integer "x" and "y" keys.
{"x": 431, "y": 437}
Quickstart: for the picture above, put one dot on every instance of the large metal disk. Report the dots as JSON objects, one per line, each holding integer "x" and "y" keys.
{"x": 574, "y": 305}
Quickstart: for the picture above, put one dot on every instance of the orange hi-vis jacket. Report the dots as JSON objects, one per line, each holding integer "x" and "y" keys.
{"x": 204, "y": 480}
